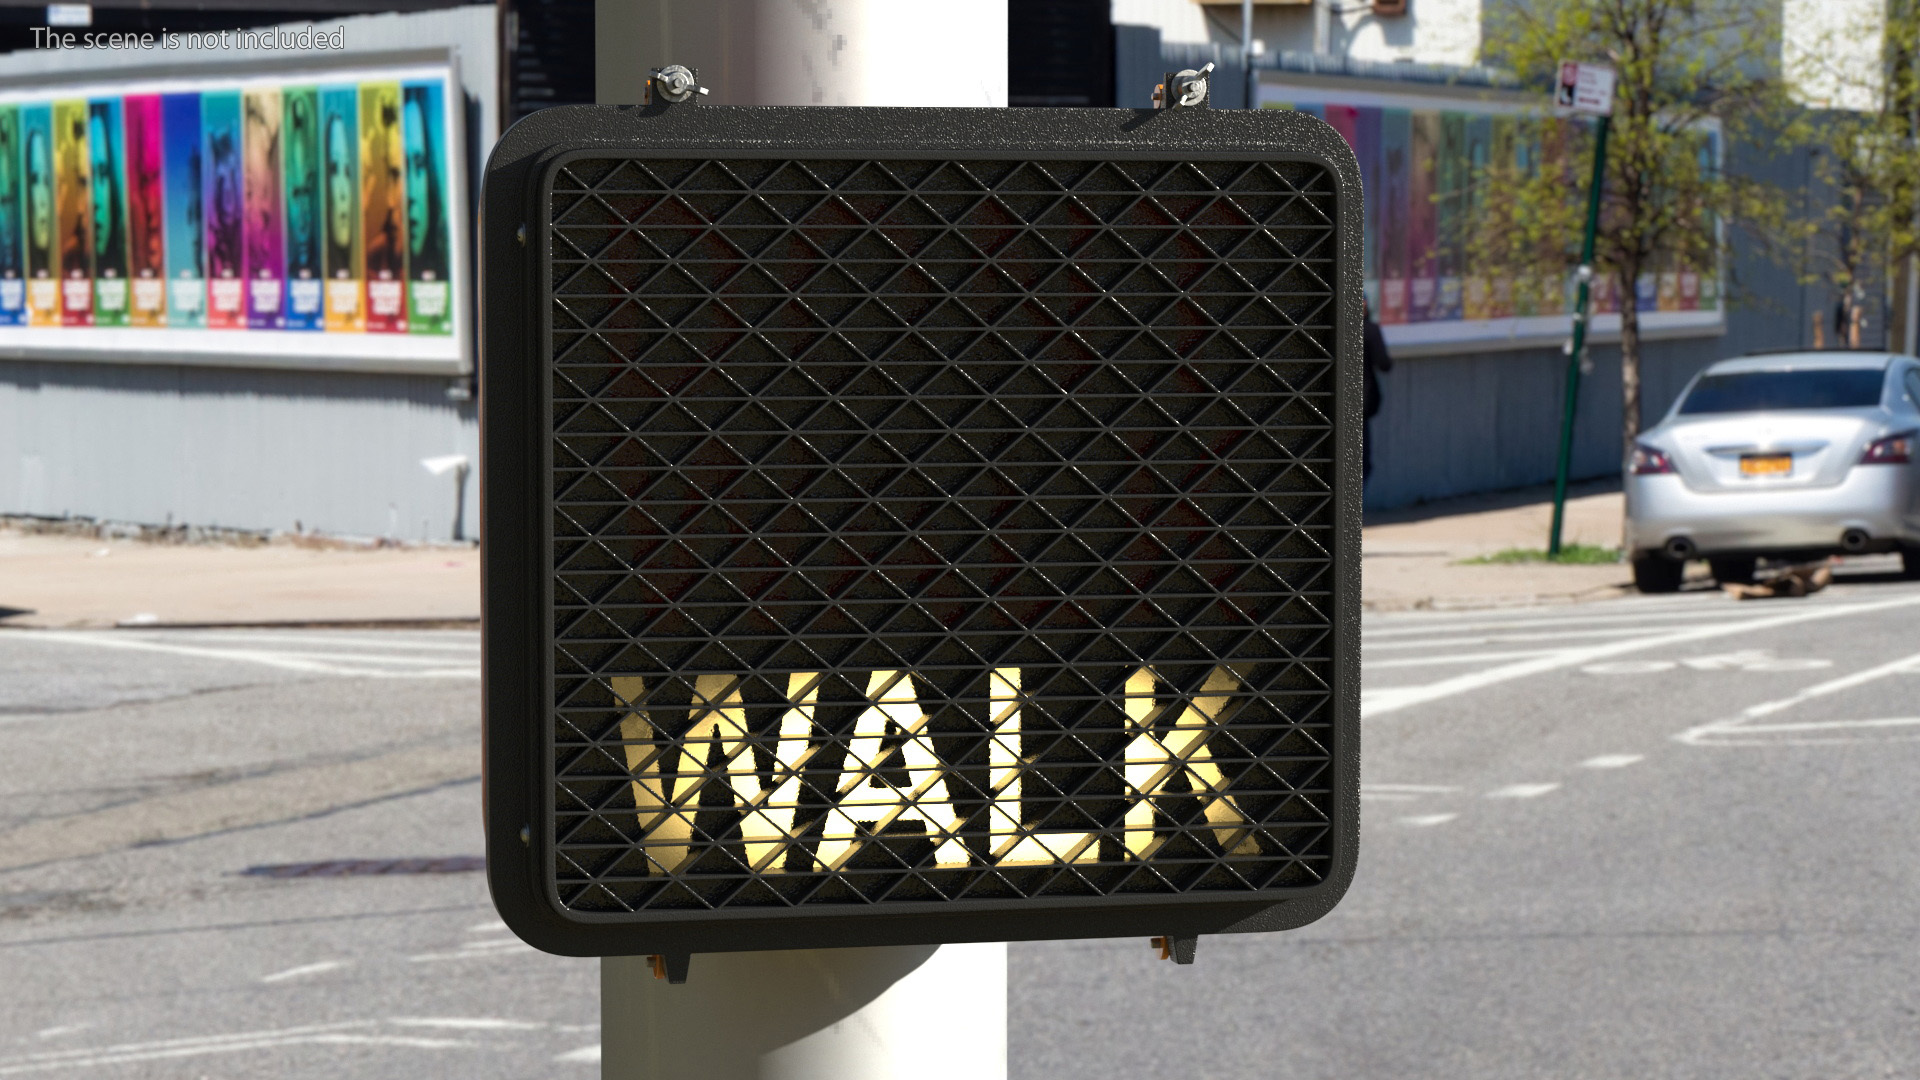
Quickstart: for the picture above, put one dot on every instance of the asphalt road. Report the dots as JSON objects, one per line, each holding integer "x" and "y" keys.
{"x": 1647, "y": 837}
{"x": 1651, "y": 837}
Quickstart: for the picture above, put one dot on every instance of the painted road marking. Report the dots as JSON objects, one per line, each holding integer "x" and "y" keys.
{"x": 1402, "y": 792}
{"x": 1739, "y": 730}
{"x": 303, "y": 969}
{"x": 1753, "y": 660}
{"x": 350, "y": 1033}
{"x": 1459, "y": 658}
{"x": 285, "y": 660}
{"x": 465, "y": 1023}
{"x": 1422, "y": 821}
{"x": 1613, "y": 761}
{"x": 1523, "y": 791}
{"x": 586, "y": 1055}
{"x": 1393, "y": 699}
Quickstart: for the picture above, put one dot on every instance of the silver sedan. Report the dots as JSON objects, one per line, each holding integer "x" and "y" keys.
{"x": 1785, "y": 456}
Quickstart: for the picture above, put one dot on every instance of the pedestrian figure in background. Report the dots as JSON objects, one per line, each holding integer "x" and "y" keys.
{"x": 1377, "y": 363}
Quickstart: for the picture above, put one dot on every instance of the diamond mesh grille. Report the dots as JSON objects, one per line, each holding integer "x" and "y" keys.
{"x": 929, "y": 530}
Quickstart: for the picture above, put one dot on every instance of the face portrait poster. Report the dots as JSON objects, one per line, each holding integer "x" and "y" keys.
{"x": 1422, "y": 228}
{"x": 340, "y": 193}
{"x": 266, "y": 256}
{"x": 13, "y": 284}
{"x": 73, "y": 194}
{"x": 43, "y": 253}
{"x": 224, "y": 210}
{"x": 281, "y": 215}
{"x": 383, "y": 207}
{"x": 1396, "y": 133}
{"x": 146, "y": 211}
{"x": 184, "y": 151}
{"x": 300, "y": 137}
{"x": 107, "y": 151}
{"x": 429, "y": 296}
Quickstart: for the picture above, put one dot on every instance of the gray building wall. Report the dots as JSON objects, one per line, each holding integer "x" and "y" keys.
{"x": 264, "y": 447}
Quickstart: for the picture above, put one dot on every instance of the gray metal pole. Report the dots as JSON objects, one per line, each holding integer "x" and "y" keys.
{"x": 830, "y": 1014}
{"x": 919, "y": 1012}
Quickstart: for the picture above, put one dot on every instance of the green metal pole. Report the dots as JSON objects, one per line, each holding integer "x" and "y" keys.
{"x": 1579, "y": 342}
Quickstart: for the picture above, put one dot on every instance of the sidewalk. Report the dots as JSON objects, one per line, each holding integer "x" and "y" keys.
{"x": 1411, "y": 557}
{"x": 1410, "y": 560}
{"x": 72, "y": 581}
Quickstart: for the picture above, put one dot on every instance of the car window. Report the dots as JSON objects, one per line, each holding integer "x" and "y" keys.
{"x": 1913, "y": 386}
{"x": 1753, "y": 391}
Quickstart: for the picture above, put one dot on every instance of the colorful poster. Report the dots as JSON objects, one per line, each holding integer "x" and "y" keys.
{"x": 42, "y": 219}
{"x": 340, "y": 177}
{"x": 266, "y": 254}
{"x": 1396, "y": 135}
{"x": 1366, "y": 128}
{"x": 146, "y": 211}
{"x": 185, "y": 152}
{"x": 73, "y": 194}
{"x": 1450, "y": 216}
{"x": 300, "y": 135}
{"x": 13, "y": 278}
{"x": 383, "y": 206}
{"x": 108, "y": 151}
{"x": 294, "y": 214}
{"x": 429, "y": 293}
{"x": 225, "y": 210}
{"x": 1476, "y": 301}
{"x": 1422, "y": 232}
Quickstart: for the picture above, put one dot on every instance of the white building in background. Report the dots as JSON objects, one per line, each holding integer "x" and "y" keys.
{"x": 1422, "y": 31}
{"x": 1831, "y": 52}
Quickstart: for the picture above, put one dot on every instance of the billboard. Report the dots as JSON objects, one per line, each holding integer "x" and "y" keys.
{"x": 1418, "y": 161}
{"x": 310, "y": 218}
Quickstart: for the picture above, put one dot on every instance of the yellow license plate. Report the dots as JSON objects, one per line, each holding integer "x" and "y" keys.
{"x": 1766, "y": 464}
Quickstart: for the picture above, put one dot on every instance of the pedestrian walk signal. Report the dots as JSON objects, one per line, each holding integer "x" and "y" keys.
{"x": 903, "y": 533}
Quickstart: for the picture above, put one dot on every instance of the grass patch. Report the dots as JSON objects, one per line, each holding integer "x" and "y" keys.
{"x": 1577, "y": 554}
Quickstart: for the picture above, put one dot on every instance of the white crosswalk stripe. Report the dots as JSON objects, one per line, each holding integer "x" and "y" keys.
{"x": 1402, "y": 652}
{"x": 378, "y": 654}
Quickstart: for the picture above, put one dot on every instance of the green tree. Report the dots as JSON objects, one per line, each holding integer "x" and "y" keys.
{"x": 1856, "y": 69}
{"x": 1682, "y": 68}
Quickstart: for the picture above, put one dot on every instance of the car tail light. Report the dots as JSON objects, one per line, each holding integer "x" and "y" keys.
{"x": 1647, "y": 461}
{"x": 1892, "y": 450}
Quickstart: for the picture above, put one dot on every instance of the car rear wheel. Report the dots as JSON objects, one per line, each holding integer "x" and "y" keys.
{"x": 1734, "y": 569}
{"x": 1910, "y": 561}
{"x": 1655, "y": 573}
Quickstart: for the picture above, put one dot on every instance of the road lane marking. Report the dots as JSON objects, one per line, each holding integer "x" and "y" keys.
{"x": 1397, "y": 698}
{"x": 63, "y": 1029}
{"x": 1409, "y": 628}
{"x": 1516, "y": 637}
{"x": 303, "y": 969}
{"x": 1750, "y": 660}
{"x": 286, "y": 661}
{"x": 1423, "y": 789}
{"x": 1457, "y": 658}
{"x": 1523, "y": 791}
{"x": 1613, "y": 761}
{"x": 465, "y": 1023}
{"x": 586, "y": 1055}
{"x": 1424, "y": 821}
{"x": 350, "y": 1033}
{"x": 1728, "y": 731}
